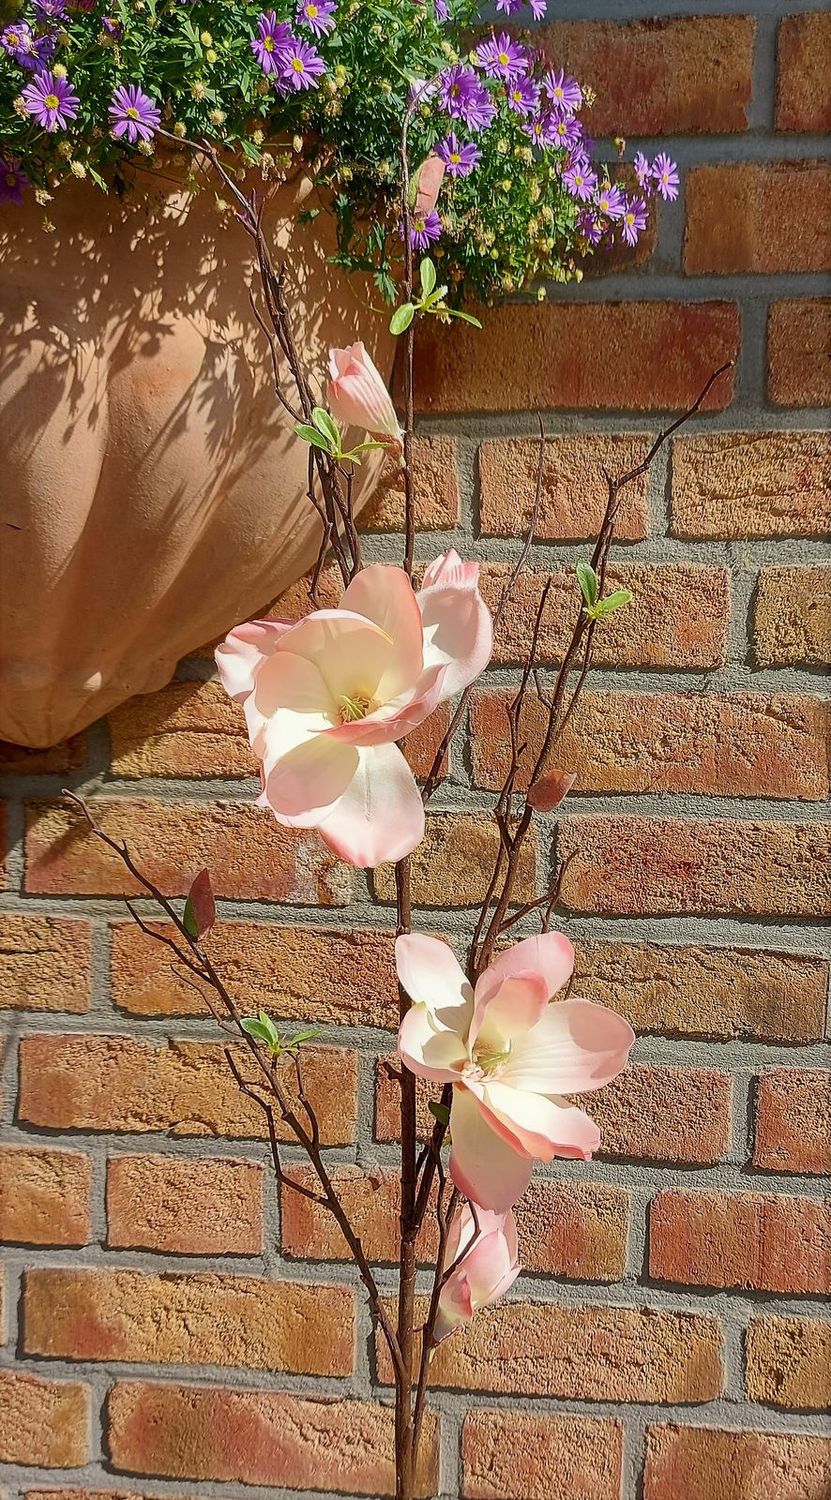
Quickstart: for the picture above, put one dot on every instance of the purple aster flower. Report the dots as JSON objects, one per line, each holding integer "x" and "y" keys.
{"x": 501, "y": 57}
{"x": 565, "y": 93}
{"x": 442, "y": 12}
{"x": 539, "y": 129}
{"x": 274, "y": 37}
{"x": 589, "y": 226}
{"x": 643, "y": 170}
{"x": 424, "y": 228}
{"x": 634, "y": 220}
{"x": 300, "y": 66}
{"x": 565, "y": 131}
{"x": 465, "y": 98}
{"x": 12, "y": 180}
{"x": 523, "y": 96}
{"x": 580, "y": 180}
{"x": 539, "y": 9}
{"x": 17, "y": 38}
{"x": 508, "y": 7}
{"x": 665, "y": 176}
{"x": 112, "y": 27}
{"x": 43, "y": 50}
{"x": 459, "y": 157}
{"x": 133, "y": 115}
{"x": 318, "y": 15}
{"x": 612, "y": 202}
{"x": 52, "y": 101}
{"x": 51, "y": 9}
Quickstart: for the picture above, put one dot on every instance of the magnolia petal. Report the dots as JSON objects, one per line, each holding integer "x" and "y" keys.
{"x": 510, "y": 1011}
{"x": 304, "y": 784}
{"x": 350, "y": 652}
{"x": 429, "y": 1050}
{"x": 543, "y": 1127}
{"x": 357, "y": 395}
{"x": 385, "y": 595}
{"x": 431, "y": 974}
{"x": 458, "y": 629}
{"x": 455, "y": 1306}
{"x": 242, "y": 651}
{"x": 380, "y": 817}
{"x": 397, "y": 717}
{"x": 576, "y": 1046}
{"x": 482, "y": 1164}
{"x": 551, "y": 954}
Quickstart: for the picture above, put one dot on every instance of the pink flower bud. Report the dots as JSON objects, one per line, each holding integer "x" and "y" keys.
{"x": 358, "y": 397}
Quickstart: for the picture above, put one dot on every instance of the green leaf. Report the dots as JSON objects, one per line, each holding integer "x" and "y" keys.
{"x": 311, "y": 435}
{"x": 402, "y": 318}
{"x": 439, "y": 1112}
{"x": 262, "y": 1029}
{"x": 303, "y": 1036}
{"x": 328, "y": 426}
{"x": 427, "y": 274}
{"x": 456, "y": 312}
{"x": 587, "y": 579}
{"x": 612, "y": 602}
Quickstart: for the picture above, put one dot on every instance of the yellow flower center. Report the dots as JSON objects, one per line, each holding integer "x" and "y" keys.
{"x": 354, "y": 708}
{"x": 268, "y": 43}
{"x": 455, "y": 156}
{"x": 490, "y": 1061}
{"x": 630, "y": 218}
{"x": 311, "y": 12}
{"x": 131, "y": 112}
{"x": 559, "y": 94}
{"x": 297, "y": 64}
{"x": 51, "y": 101}
{"x": 504, "y": 58}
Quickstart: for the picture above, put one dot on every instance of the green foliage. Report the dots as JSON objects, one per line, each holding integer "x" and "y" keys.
{"x": 261, "y": 1028}
{"x": 508, "y": 223}
{"x": 596, "y": 608}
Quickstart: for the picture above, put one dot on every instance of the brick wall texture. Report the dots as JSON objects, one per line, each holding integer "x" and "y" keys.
{"x": 172, "y": 1327}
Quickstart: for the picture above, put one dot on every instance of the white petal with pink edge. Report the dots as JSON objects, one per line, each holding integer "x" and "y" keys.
{"x": 432, "y": 976}
{"x": 458, "y": 629}
{"x": 380, "y": 816}
{"x": 543, "y": 1127}
{"x": 385, "y": 596}
{"x": 576, "y": 1046}
{"x": 482, "y": 1164}
{"x": 551, "y": 954}
{"x": 240, "y": 654}
{"x": 511, "y": 1011}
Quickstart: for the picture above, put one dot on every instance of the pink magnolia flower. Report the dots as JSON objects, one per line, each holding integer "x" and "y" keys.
{"x": 327, "y": 697}
{"x": 489, "y": 1267}
{"x": 358, "y": 396}
{"x": 511, "y": 1056}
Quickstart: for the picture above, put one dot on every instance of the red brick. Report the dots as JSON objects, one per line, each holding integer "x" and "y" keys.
{"x": 793, "y": 1120}
{"x": 722, "y": 745}
{"x": 187, "y": 729}
{"x": 700, "y": 1463}
{"x": 113, "y": 1083}
{"x": 799, "y": 337}
{"x": 437, "y": 501}
{"x": 763, "y": 217}
{"x": 677, "y": 618}
{"x": 751, "y": 484}
{"x": 295, "y": 973}
{"x": 707, "y": 992}
{"x": 756, "y": 1241}
{"x": 258, "y": 1437}
{"x": 681, "y": 75}
{"x": 73, "y": 1493}
{"x": 616, "y": 1353}
{"x": 650, "y": 866}
{"x": 190, "y": 1319}
{"x": 511, "y": 1456}
{"x": 250, "y": 857}
{"x": 184, "y": 1207}
{"x": 803, "y": 95}
{"x": 633, "y": 356}
{"x": 574, "y": 486}
{"x": 20, "y": 760}
{"x": 44, "y": 1197}
{"x": 788, "y": 1363}
{"x": 576, "y": 1230}
{"x": 792, "y": 618}
{"x": 43, "y": 1422}
{"x": 664, "y": 1114}
{"x": 44, "y": 963}
{"x": 452, "y": 866}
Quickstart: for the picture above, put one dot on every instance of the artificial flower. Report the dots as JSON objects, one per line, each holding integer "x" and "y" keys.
{"x": 488, "y": 1264}
{"x": 326, "y": 699}
{"x": 358, "y": 396}
{"x": 511, "y": 1056}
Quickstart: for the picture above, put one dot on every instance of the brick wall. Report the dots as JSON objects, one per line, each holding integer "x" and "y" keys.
{"x": 170, "y": 1327}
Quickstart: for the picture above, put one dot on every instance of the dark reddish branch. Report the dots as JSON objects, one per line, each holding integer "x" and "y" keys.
{"x": 193, "y": 956}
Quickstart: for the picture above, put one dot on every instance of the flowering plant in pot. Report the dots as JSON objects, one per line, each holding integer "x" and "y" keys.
{"x": 493, "y": 1035}
{"x": 153, "y": 438}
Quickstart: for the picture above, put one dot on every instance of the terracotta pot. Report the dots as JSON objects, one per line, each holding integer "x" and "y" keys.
{"x": 151, "y": 489}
